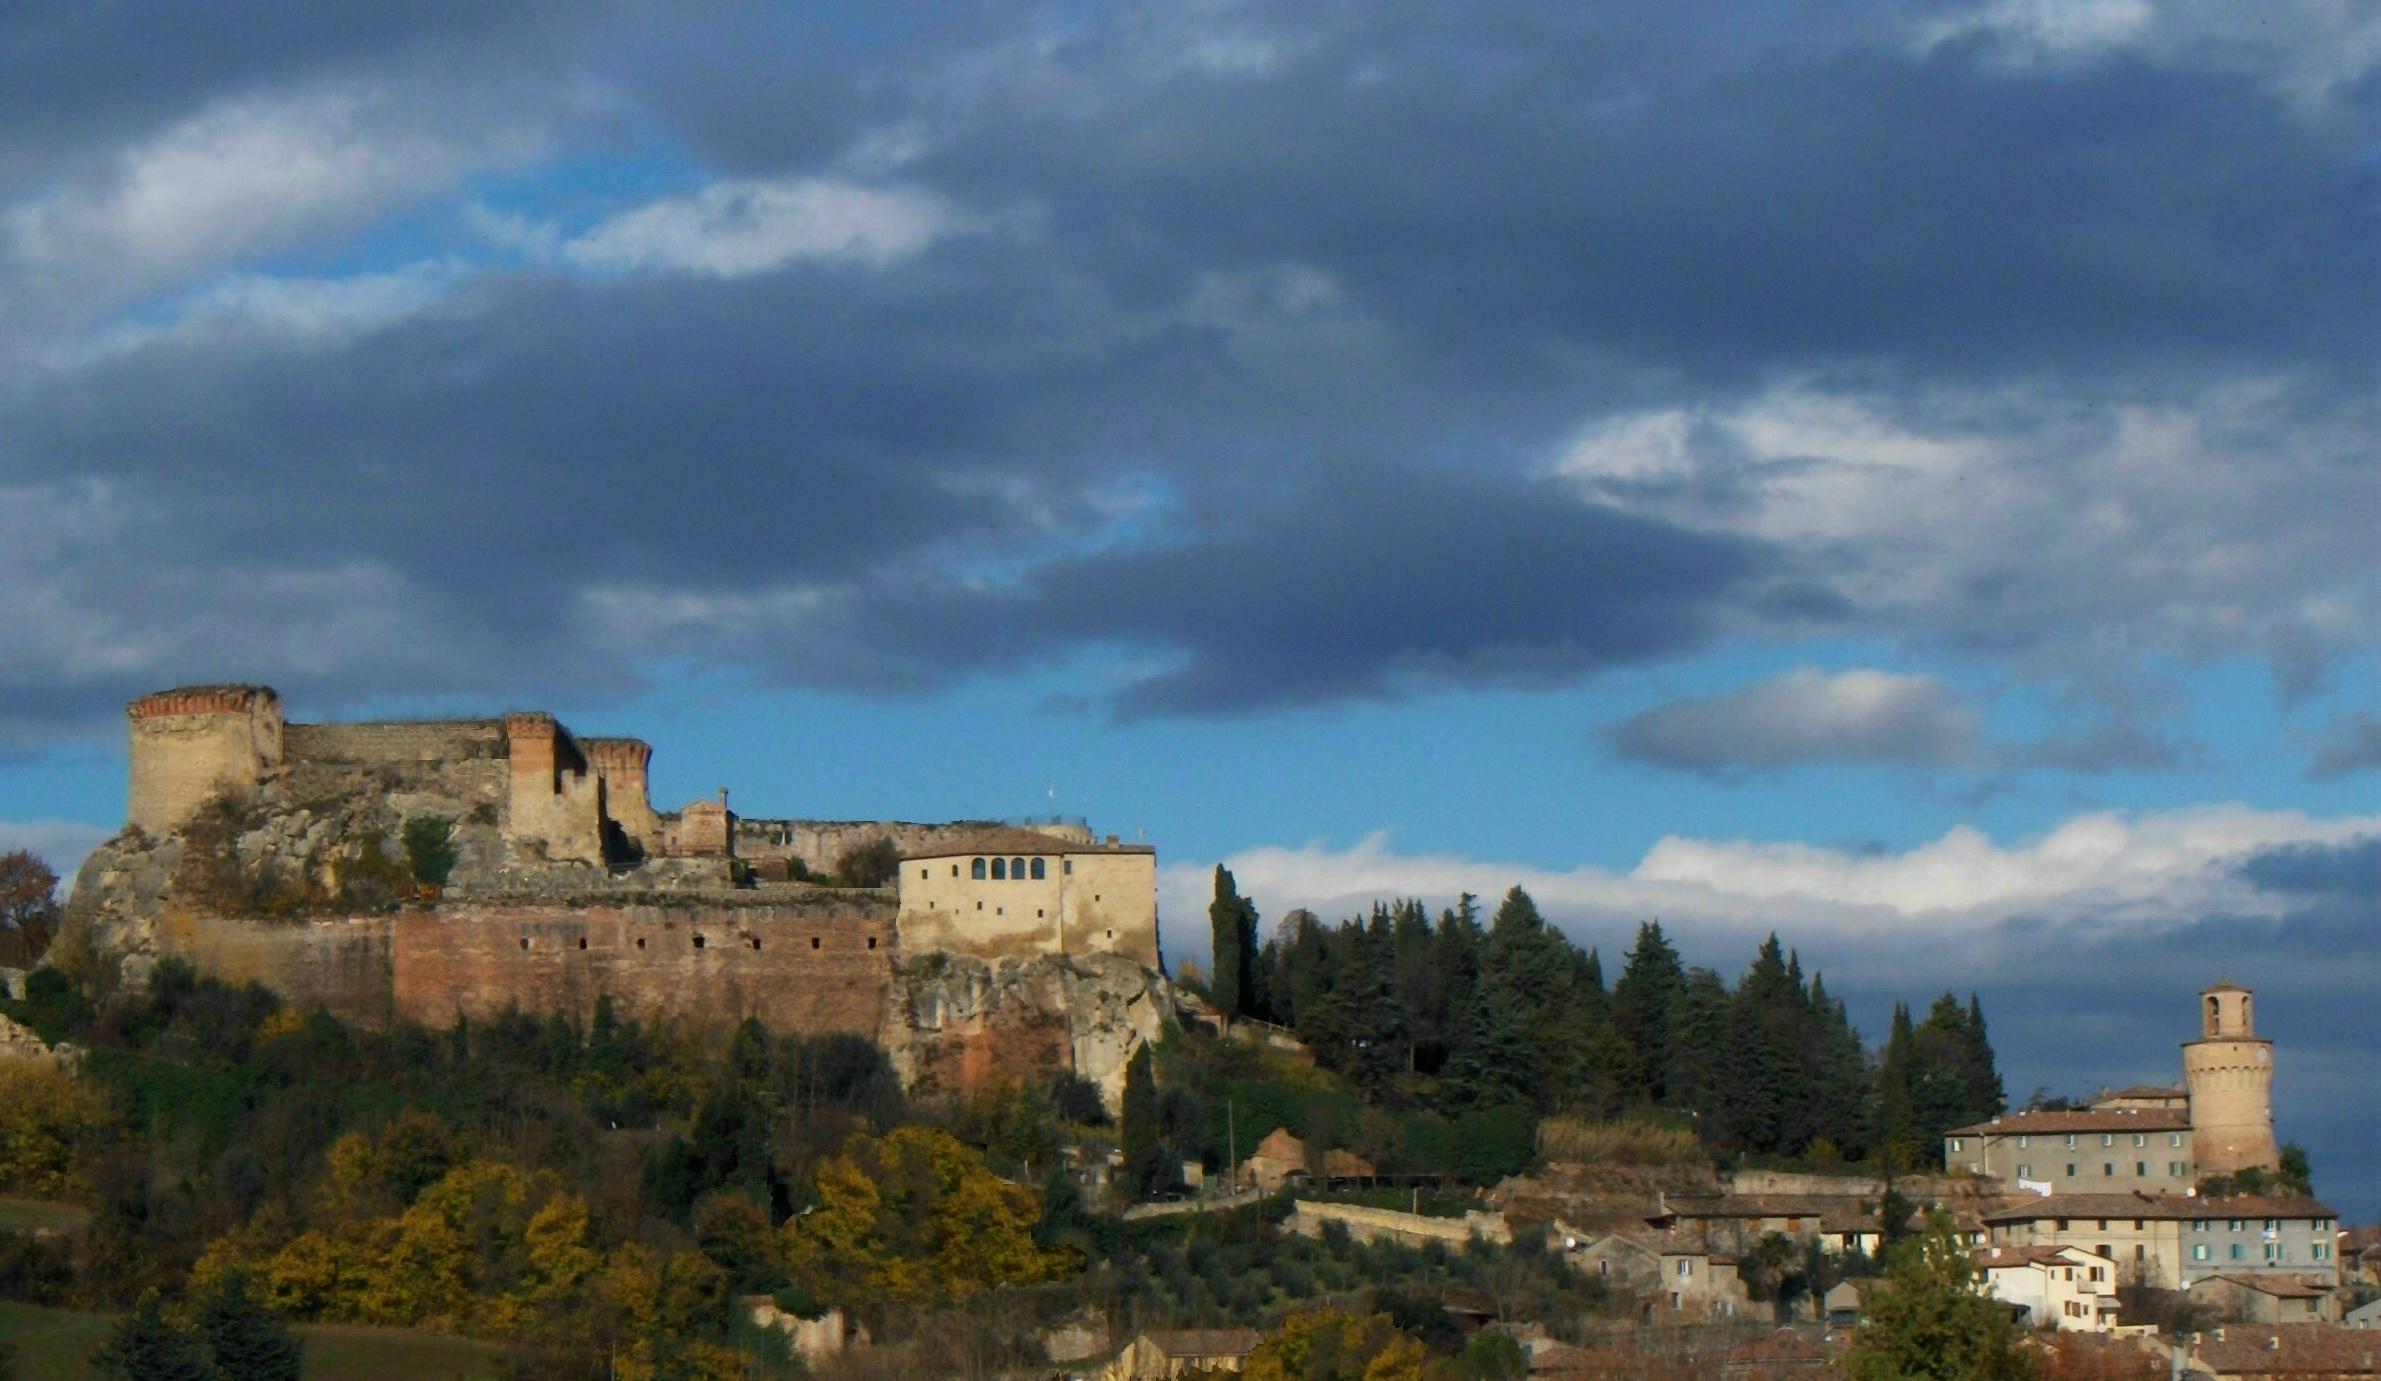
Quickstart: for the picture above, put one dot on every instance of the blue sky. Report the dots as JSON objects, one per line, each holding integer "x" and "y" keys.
{"x": 1904, "y": 475}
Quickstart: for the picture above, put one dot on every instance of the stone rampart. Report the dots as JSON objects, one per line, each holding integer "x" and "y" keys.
{"x": 455, "y": 740}
{"x": 817, "y": 844}
{"x": 342, "y": 965}
{"x": 703, "y": 965}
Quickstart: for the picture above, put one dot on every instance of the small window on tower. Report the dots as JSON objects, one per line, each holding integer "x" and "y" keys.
{"x": 872, "y": 942}
{"x": 524, "y": 942}
{"x": 698, "y": 942}
{"x": 640, "y": 942}
{"x": 582, "y": 942}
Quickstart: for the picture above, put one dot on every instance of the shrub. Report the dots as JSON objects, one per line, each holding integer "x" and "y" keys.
{"x": 430, "y": 848}
{"x": 873, "y": 864}
{"x": 1622, "y": 1141}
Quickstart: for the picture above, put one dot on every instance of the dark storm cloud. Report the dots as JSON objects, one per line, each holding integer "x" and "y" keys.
{"x": 74, "y": 73}
{"x": 2355, "y": 746}
{"x": 2348, "y": 872}
{"x": 1297, "y": 294}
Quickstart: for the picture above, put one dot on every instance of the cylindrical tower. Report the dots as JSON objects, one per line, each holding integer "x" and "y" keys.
{"x": 2230, "y": 1072}
{"x": 190, "y": 743}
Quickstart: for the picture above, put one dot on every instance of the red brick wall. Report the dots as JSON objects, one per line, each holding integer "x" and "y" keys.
{"x": 808, "y": 973}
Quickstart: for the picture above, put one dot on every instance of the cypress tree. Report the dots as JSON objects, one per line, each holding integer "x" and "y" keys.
{"x": 1146, "y": 1168}
{"x": 1232, "y": 919}
{"x": 1698, "y": 1033}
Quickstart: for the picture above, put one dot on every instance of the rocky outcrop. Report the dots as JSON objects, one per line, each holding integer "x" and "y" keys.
{"x": 21, "y": 1043}
{"x": 952, "y": 1020}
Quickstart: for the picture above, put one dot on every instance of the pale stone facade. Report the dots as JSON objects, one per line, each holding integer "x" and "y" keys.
{"x": 189, "y": 744}
{"x": 2171, "y": 1240}
{"x": 2065, "y": 1288}
{"x": 1018, "y": 893}
{"x": 2085, "y": 1150}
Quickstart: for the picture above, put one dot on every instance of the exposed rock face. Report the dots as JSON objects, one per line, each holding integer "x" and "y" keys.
{"x": 19, "y": 1042}
{"x": 952, "y": 1020}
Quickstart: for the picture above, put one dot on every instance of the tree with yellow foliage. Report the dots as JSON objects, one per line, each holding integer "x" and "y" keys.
{"x": 1336, "y": 1345}
{"x": 915, "y": 1215}
{"x": 46, "y": 1114}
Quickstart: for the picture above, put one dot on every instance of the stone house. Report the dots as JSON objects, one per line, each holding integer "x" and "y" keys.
{"x": 1278, "y": 1159}
{"x": 1839, "y": 1223}
{"x": 1160, "y": 1353}
{"x": 1672, "y": 1272}
{"x": 2065, "y": 1288}
{"x": 1006, "y": 892}
{"x": 2170, "y": 1240}
{"x": 2120, "y": 1147}
{"x": 2269, "y": 1297}
{"x": 2366, "y": 1316}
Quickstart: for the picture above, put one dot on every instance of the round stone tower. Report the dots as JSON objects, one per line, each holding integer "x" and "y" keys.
{"x": 2230, "y": 1072}
{"x": 189, "y": 743}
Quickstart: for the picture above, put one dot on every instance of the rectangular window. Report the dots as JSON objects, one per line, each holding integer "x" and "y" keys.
{"x": 2070, "y": 1141}
{"x": 2322, "y": 1251}
{"x": 2140, "y": 1140}
{"x": 2104, "y": 1225}
{"x": 2108, "y": 1138}
{"x": 2233, "y": 1225}
{"x": 2273, "y": 1251}
{"x": 2025, "y": 1172}
{"x": 1686, "y": 1268}
{"x": 2237, "y": 1251}
{"x": 2199, "y": 1251}
{"x": 2175, "y": 1168}
{"x": 2070, "y": 1169}
{"x": 2108, "y": 1168}
{"x": 2021, "y": 1143}
{"x": 2199, "y": 1225}
{"x": 1955, "y": 1143}
{"x": 2141, "y": 1168}
{"x": 2174, "y": 1139}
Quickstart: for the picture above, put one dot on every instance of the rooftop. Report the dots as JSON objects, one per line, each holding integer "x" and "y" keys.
{"x": 2137, "y": 1205}
{"x": 2051, "y": 1121}
{"x": 2291, "y": 1349}
{"x": 1008, "y": 839}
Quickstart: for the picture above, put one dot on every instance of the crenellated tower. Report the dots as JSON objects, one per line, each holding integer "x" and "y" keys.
{"x": 190, "y": 743}
{"x": 2230, "y": 1072}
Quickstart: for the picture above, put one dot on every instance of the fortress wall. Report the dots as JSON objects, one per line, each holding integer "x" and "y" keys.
{"x": 794, "y": 969}
{"x": 343, "y": 965}
{"x": 818, "y": 843}
{"x": 457, "y": 740}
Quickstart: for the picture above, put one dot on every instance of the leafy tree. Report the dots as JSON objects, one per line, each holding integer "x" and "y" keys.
{"x": 1489, "y": 1357}
{"x": 28, "y": 908}
{"x": 1336, "y": 1345}
{"x": 149, "y": 1345}
{"x": 1929, "y": 1319}
{"x": 46, "y": 1116}
{"x": 875, "y": 863}
{"x": 2295, "y": 1173}
{"x": 244, "y": 1339}
{"x": 430, "y": 848}
{"x": 914, "y": 1215}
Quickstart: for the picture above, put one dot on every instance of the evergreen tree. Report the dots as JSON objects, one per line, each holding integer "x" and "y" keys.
{"x": 246, "y": 1340}
{"x": 1232, "y": 919}
{"x": 1697, "y": 1036}
{"x": 1987, "y": 1099}
{"x": 1899, "y": 1140}
{"x": 148, "y": 1345}
{"x": 1839, "y": 1076}
{"x": 1644, "y": 1002}
{"x": 1494, "y": 1064}
{"x": 1146, "y": 1168}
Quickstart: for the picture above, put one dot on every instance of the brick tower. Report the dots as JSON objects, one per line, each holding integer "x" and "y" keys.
{"x": 2230, "y": 1071}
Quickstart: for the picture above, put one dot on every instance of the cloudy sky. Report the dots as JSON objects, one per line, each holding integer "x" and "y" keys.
{"x": 1903, "y": 475}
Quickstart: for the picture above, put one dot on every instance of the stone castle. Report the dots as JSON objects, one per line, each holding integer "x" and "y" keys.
{"x": 250, "y": 839}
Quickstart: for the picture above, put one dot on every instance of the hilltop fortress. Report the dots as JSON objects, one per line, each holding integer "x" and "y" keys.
{"x": 266, "y": 850}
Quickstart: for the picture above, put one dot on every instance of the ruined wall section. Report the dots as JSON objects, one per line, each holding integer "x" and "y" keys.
{"x": 187, "y": 745}
{"x": 455, "y": 768}
{"x": 554, "y": 801}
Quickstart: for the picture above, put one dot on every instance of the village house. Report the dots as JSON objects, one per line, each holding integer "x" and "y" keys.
{"x": 2269, "y": 1297}
{"x": 1158, "y": 1354}
{"x": 1839, "y": 1223}
{"x": 1671, "y": 1271}
{"x": 2065, "y": 1288}
{"x": 2089, "y": 1149}
{"x": 2170, "y": 1240}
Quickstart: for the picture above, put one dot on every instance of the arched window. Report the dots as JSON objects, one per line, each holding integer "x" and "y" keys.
{"x": 2212, "y": 1006}
{"x": 1037, "y": 870}
{"x": 1000, "y": 869}
{"x": 976, "y": 870}
{"x": 1017, "y": 869}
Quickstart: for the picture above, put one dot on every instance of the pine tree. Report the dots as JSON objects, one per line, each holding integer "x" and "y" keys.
{"x": 148, "y": 1345}
{"x": 1495, "y": 1063}
{"x": 1899, "y": 1140}
{"x": 245, "y": 1339}
{"x": 1697, "y": 1036}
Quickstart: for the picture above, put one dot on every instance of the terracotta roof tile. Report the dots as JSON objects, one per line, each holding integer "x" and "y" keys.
{"x": 1012, "y": 839}
{"x": 2051, "y": 1121}
{"x": 2163, "y": 1206}
{"x": 2291, "y": 1349}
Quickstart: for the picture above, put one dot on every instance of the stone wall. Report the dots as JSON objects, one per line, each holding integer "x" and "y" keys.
{"x": 706, "y": 965}
{"x": 1367, "y": 1224}
{"x": 453, "y": 740}
{"x": 343, "y": 965}
{"x": 817, "y": 844}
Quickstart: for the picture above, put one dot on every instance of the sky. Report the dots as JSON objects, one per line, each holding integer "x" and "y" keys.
{"x": 1899, "y": 475}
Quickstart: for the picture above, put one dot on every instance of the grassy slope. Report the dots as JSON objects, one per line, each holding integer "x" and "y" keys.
{"x": 55, "y": 1343}
{"x": 35, "y": 1215}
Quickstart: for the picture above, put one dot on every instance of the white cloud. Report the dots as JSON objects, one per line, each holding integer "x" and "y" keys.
{"x": 2028, "y": 519}
{"x": 246, "y": 173}
{"x": 2306, "y": 50}
{"x": 2143, "y": 871}
{"x": 731, "y": 229}
{"x": 1807, "y": 715}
